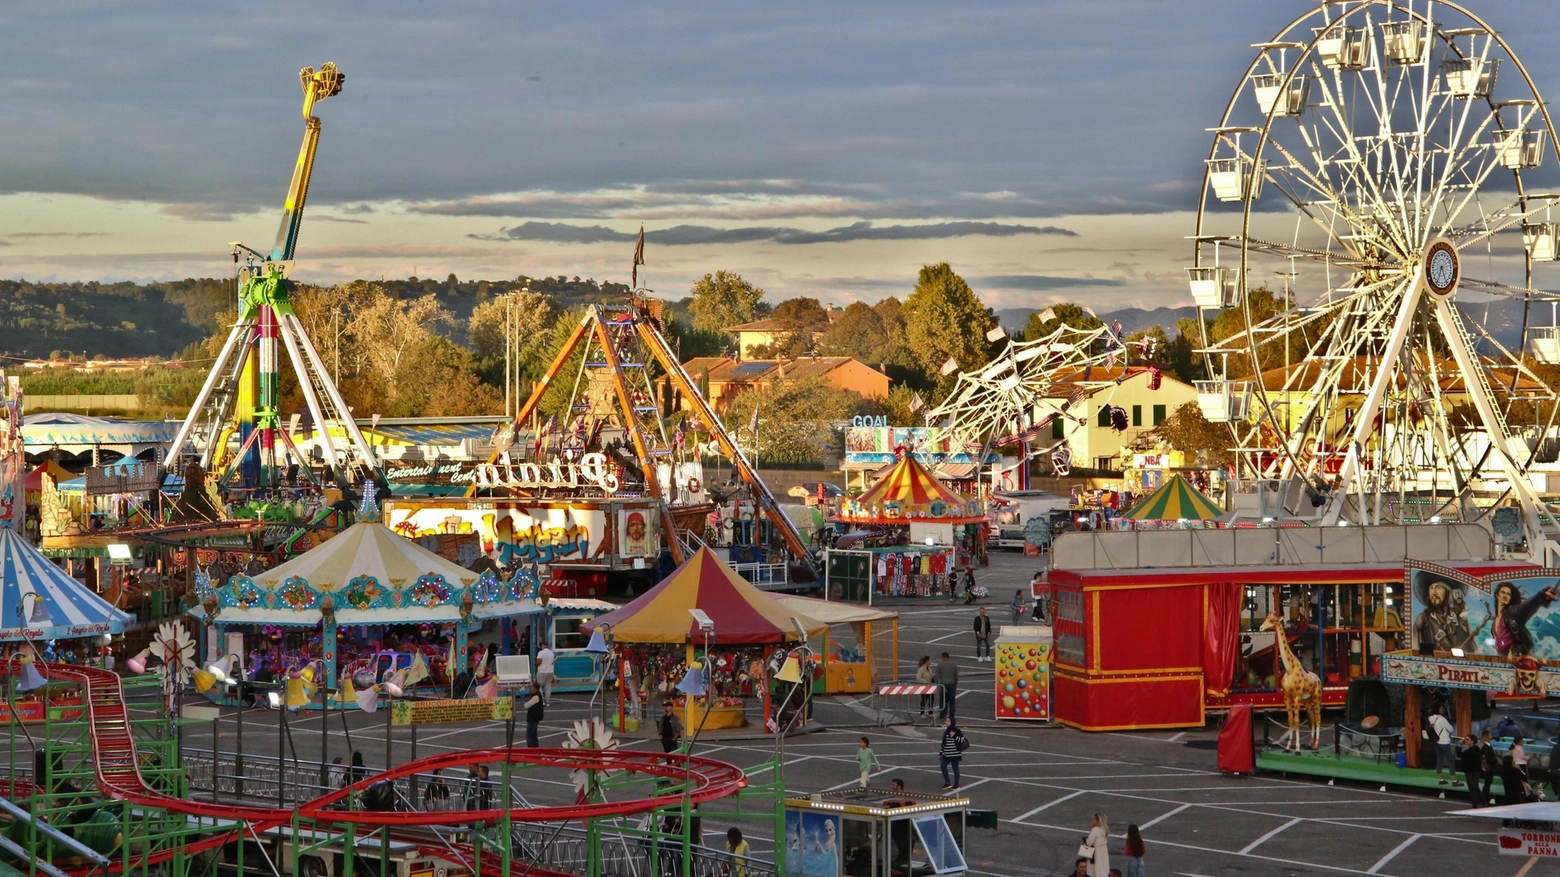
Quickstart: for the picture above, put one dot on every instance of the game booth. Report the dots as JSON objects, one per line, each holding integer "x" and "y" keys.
{"x": 859, "y": 649}
{"x": 659, "y": 638}
{"x": 1154, "y": 629}
{"x": 366, "y": 599}
{"x": 945, "y": 533}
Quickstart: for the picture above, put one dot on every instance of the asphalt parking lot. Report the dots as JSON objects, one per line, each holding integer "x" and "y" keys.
{"x": 1043, "y": 781}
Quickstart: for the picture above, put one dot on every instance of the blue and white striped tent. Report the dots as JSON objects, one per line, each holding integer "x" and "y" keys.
{"x": 65, "y": 608}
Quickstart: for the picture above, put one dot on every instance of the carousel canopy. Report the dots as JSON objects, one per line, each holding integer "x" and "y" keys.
{"x": 370, "y": 575}
{"x": 66, "y": 609}
{"x": 743, "y": 615}
{"x": 1176, "y": 500}
{"x": 909, "y": 493}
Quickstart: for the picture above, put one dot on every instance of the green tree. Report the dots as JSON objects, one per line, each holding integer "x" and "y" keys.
{"x": 1187, "y": 431}
{"x": 798, "y": 421}
{"x": 437, "y": 378}
{"x": 724, "y": 299}
{"x": 802, "y": 313}
{"x": 1180, "y": 352}
{"x": 690, "y": 342}
{"x": 1066, "y": 312}
{"x": 944, "y": 319}
{"x": 859, "y": 332}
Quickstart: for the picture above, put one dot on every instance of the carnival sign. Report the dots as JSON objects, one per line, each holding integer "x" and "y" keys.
{"x": 1529, "y": 842}
{"x": 1507, "y": 616}
{"x": 1524, "y": 677}
{"x": 592, "y": 470}
{"x": 516, "y": 534}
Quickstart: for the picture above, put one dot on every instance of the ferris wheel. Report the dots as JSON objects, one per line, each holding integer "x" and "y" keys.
{"x": 1030, "y": 385}
{"x": 1374, "y": 228}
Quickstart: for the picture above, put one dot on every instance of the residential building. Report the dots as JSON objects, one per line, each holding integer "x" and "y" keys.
{"x": 720, "y": 379}
{"x": 1096, "y": 443}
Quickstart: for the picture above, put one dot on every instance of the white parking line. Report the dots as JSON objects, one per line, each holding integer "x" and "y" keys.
{"x": 1269, "y": 836}
{"x": 1158, "y": 819}
{"x": 1380, "y": 863}
{"x": 1024, "y": 816}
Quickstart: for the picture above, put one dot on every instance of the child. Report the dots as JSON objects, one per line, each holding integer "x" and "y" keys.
{"x": 868, "y": 761}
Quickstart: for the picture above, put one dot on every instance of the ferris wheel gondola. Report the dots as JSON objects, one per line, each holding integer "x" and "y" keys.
{"x": 1393, "y": 162}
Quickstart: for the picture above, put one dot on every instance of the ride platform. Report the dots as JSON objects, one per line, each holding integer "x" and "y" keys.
{"x": 1361, "y": 770}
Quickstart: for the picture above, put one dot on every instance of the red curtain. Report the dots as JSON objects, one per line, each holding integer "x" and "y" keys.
{"x": 1222, "y": 637}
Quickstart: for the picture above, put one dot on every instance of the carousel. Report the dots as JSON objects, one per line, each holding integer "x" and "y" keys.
{"x": 704, "y": 618}
{"x": 937, "y": 532}
{"x": 366, "y": 601}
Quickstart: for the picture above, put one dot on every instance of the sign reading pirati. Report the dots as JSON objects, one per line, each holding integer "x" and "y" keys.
{"x": 592, "y": 470}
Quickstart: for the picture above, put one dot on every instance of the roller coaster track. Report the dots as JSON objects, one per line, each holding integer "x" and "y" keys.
{"x": 116, "y": 764}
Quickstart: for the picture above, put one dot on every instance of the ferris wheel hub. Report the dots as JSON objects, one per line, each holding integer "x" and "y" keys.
{"x": 1442, "y": 268}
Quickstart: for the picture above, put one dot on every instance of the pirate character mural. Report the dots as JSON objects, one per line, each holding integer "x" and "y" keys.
{"x": 1507, "y": 619}
{"x": 1442, "y": 621}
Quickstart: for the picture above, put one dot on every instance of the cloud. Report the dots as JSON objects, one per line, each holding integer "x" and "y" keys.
{"x": 685, "y": 235}
{"x": 57, "y": 234}
{"x": 1041, "y": 282}
{"x": 321, "y": 217}
{"x": 207, "y": 211}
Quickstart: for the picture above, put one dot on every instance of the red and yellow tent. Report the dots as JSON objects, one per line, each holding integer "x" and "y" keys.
{"x": 910, "y": 493}
{"x": 743, "y": 615}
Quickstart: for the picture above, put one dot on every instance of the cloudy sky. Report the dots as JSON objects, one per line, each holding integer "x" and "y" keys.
{"x": 1050, "y": 150}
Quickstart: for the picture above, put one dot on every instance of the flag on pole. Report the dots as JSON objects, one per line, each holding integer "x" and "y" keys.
{"x": 1046, "y": 315}
{"x": 418, "y": 671}
{"x": 1090, "y": 311}
{"x": 995, "y": 333}
{"x": 916, "y": 403}
{"x": 481, "y": 666}
{"x": 753, "y": 425}
{"x": 679, "y": 438}
{"x": 639, "y": 256}
{"x": 949, "y": 367}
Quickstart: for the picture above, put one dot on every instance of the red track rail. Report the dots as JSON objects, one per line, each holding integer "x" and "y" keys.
{"x": 116, "y": 764}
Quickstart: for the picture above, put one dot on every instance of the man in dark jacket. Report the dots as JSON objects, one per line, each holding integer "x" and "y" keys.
{"x": 1490, "y": 766}
{"x": 948, "y": 678}
{"x": 982, "y": 636}
{"x": 1471, "y": 759}
{"x": 670, "y": 728}
{"x": 533, "y": 716}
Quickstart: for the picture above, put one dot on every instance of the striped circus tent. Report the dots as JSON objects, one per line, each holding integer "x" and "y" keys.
{"x": 64, "y": 608}
{"x": 910, "y": 493}
{"x": 1176, "y": 500}
{"x": 742, "y": 614}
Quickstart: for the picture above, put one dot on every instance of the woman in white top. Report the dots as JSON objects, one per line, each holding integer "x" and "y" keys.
{"x": 1519, "y": 755}
{"x": 923, "y": 675}
{"x": 1099, "y": 842}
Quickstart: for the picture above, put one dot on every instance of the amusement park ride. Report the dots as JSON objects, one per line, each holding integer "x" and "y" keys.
{"x": 240, "y": 393}
{"x": 1412, "y": 158}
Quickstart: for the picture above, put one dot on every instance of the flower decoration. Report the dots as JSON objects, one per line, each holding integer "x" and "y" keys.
{"x": 297, "y": 594}
{"x": 173, "y": 644}
{"x": 588, "y": 734}
{"x": 361, "y": 591}
{"x": 430, "y": 590}
{"x": 487, "y": 588}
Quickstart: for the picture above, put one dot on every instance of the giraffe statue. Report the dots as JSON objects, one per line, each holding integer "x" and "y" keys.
{"x": 1299, "y": 686}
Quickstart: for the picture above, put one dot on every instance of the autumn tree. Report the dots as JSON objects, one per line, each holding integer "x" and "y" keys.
{"x": 859, "y": 332}
{"x": 1187, "y": 431}
{"x": 943, "y": 320}
{"x": 724, "y": 299}
{"x": 799, "y": 421}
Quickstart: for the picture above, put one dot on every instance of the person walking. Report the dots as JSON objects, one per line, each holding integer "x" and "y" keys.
{"x": 545, "y": 659}
{"x": 1514, "y": 787}
{"x": 1134, "y": 852}
{"x": 1098, "y": 843}
{"x": 669, "y": 727}
{"x": 982, "y": 635}
{"x": 1472, "y": 763}
{"x": 533, "y": 716}
{"x": 868, "y": 761}
{"x": 950, "y": 752}
{"x": 923, "y": 675}
{"x": 1441, "y": 732}
{"x": 1037, "y": 586}
{"x": 1490, "y": 764}
{"x": 1519, "y": 755}
{"x": 969, "y": 585}
{"x": 1017, "y": 606}
{"x": 948, "y": 678}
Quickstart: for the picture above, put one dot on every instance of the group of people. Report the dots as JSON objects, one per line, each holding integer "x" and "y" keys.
{"x": 1094, "y": 852}
{"x": 945, "y": 675}
{"x": 1481, "y": 765}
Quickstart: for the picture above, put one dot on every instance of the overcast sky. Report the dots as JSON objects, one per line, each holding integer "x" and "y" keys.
{"x": 1050, "y": 150}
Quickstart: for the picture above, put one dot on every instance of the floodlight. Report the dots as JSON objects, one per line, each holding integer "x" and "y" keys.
{"x": 703, "y": 618}
{"x": 119, "y": 552}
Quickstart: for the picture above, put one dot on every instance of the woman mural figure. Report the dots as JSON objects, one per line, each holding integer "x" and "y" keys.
{"x": 1512, "y": 614}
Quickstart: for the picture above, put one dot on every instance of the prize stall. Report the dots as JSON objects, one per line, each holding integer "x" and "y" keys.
{"x": 41, "y": 606}
{"x": 659, "y": 635}
{"x": 1023, "y": 672}
{"x": 945, "y": 531}
{"x": 367, "y": 599}
{"x": 859, "y": 649}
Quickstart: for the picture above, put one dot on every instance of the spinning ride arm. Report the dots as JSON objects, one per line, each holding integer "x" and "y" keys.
{"x": 317, "y": 86}
{"x": 761, "y": 494}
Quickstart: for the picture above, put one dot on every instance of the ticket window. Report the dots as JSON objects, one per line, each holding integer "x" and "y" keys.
{"x": 925, "y": 845}
{"x": 859, "y": 846}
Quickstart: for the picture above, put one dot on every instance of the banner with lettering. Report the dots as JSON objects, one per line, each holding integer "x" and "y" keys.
{"x": 515, "y": 533}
